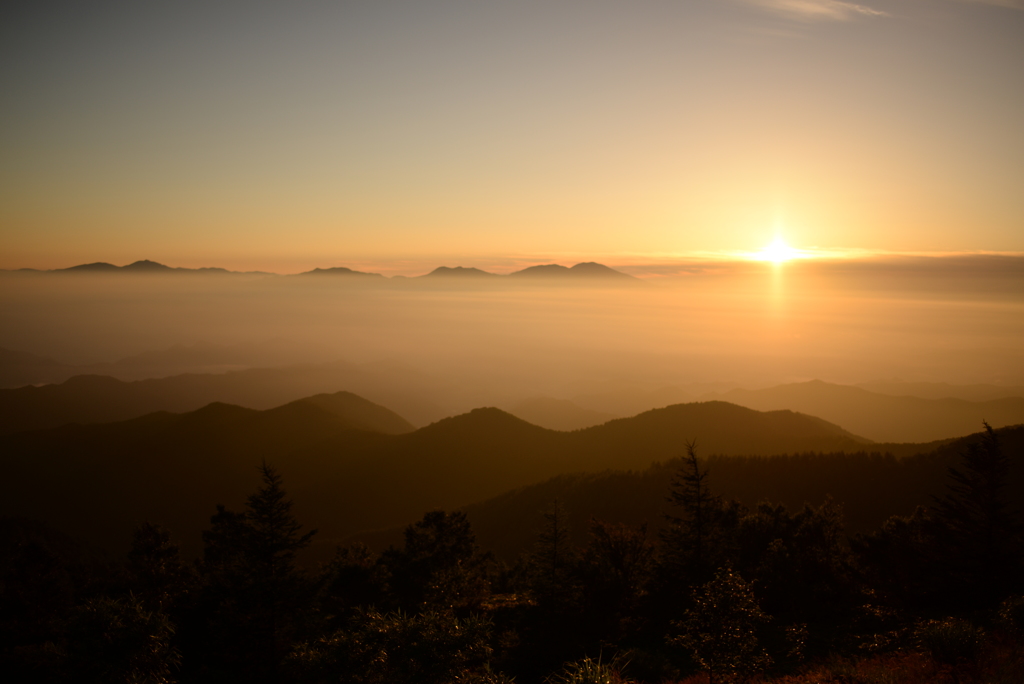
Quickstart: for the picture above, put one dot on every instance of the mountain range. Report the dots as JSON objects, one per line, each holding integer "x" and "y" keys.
{"x": 870, "y": 488}
{"x": 558, "y": 414}
{"x": 422, "y": 398}
{"x": 143, "y": 266}
{"x": 100, "y": 398}
{"x": 350, "y": 465}
{"x": 588, "y": 271}
{"x": 881, "y": 417}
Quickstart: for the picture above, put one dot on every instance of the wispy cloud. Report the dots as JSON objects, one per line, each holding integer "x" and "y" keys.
{"x": 823, "y": 10}
{"x": 1012, "y": 4}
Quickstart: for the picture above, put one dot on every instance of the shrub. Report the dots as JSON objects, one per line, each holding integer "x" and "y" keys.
{"x": 1011, "y": 615}
{"x": 395, "y": 648}
{"x": 720, "y": 629}
{"x": 118, "y": 640}
{"x": 586, "y": 671}
{"x": 951, "y": 641}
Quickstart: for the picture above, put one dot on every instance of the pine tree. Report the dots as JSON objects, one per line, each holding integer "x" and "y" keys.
{"x": 553, "y": 559}
{"x": 274, "y": 534}
{"x": 119, "y": 640}
{"x": 978, "y": 531}
{"x": 158, "y": 575}
{"x": 440, "y": 566}
{"x": 693, "y": 540}
{"x": 615, "y": 571}
{"x": 253, "y": 585}
{"x": 721, "y": 628}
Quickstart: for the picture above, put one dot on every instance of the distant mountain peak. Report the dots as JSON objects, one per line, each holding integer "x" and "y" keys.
{"x": 594, "y": 269}
{"x": 357, "y": 412}
{"x": 589, "y": 269}
{"x": 459, "y": 272}
{"x": 142, "y": 266}
{"x": 145, "y": 265}
{"x": 340, "y": 271}
{"x": 484, "y": 418}
{"x": 542, "y": 270}
{"x": 558, "y": 414}
{"x": 95, "y": 266}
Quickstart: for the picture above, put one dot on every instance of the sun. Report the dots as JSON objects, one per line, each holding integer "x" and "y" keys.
{"x": 778, "y": 251}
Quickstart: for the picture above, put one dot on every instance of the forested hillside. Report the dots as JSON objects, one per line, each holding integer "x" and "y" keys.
{"x": 883, "y": 417}
{"x": 98, "y": 481}
{"x": 868, "y": 486}
{"x": 715, "y": 588}
{"x": 99, "y": 398}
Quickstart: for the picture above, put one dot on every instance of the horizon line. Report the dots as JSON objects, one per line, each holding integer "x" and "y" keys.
{"x": 635, "y": 264}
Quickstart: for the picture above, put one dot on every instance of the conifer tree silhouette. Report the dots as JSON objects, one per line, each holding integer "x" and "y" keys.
{"x": 157, "y": 573}
{"x": 253, "y": 584}
{"x": 552, "y": 559}
{"x": 978, "y": 530}
{"x": 721, "y": 628}
{"x": 615, "y": 571}
{"x": 692, "y": 537}
{"x": 439, "y": 565}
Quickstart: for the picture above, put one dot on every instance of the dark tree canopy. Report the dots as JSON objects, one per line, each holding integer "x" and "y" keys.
{"x": 696, "y": 540}
{"x": 980, "y": 531}
{"x": 720, "y": 629}
{"x": 155, "y": 569}
{"x": 771, "y": 591}
{"x": 553, "y": 559}
{"x": 254, "y": 592}
{"x": 439, "y": 565}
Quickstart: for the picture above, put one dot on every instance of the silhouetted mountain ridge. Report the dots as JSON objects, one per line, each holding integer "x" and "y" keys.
{"x": 19, "y": 368}
{"x": 359, "y": 413}
{"x": 582, "y": 271}
{"x": 98, "y": 481}
{"x": 458, "y": 272}
{"x": 99, "y": 266}
{"x": 100, "y": 398}
{"x": 942, "y": 390}
{"x": 558, "y": 414}
{"x": 589, "y": 269}
{"x": 870, "y": 486}
{"x": 141, "y": 266}
{"x": 340, "y": 271}
{"x": 882, "y": 417}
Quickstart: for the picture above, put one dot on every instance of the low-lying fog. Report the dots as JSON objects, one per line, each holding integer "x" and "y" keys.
{"x": 495, "y": 342}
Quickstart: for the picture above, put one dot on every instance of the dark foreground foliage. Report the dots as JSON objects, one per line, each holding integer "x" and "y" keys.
{"x": 726, "y": 593}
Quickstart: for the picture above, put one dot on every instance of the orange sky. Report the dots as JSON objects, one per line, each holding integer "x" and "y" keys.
{"x": 402, "y": 134}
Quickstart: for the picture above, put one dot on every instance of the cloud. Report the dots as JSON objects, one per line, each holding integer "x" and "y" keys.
{"x": 822, "y": 10}
{"x": 1012, "y": 4}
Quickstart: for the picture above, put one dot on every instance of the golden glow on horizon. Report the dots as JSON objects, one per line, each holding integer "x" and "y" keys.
{"x": 778, "y": 251}
{"x": 354, "y": 134}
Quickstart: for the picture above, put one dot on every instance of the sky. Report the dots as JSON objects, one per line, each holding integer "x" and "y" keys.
{"x": 393, "y": 135}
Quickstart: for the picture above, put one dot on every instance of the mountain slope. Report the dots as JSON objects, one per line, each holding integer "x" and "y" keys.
{"x": 18, "y": 368}
{"x": 142, "y": 266}
{"x": 99, "y": 481}
{"x": 589, "y": 271}
{"x": 97, "y": 398}
{"x": 340, "y": 271}
{"x": 458, "y": 272}
{"x": 882, "y": 417}
{"x": 869, "y": 486}
{"x": 558, "y": 414}
{"x": 485, "y": 452}
{"x": 942, "y": 390}
{"x": 358, "y": 413}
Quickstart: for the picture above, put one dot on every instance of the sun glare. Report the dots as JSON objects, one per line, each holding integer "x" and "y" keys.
{"x": 778, "y": 251}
